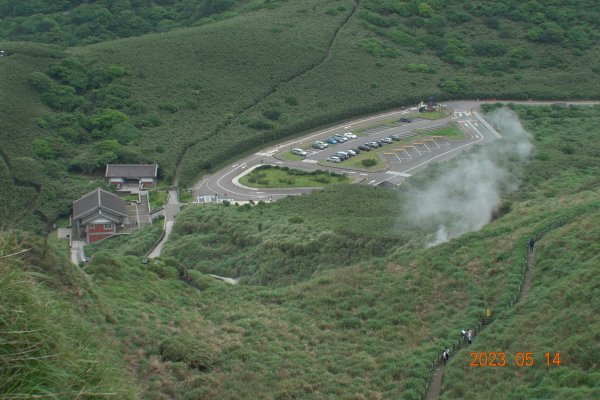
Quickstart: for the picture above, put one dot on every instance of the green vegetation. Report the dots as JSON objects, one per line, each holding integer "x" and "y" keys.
{"x": 61, "y": 246}
{"x": 366, "y": 160}
{"x": 71, "y": 23}
{"x": 343, "y": 302}
{"x": 350, "y": 305}
{"x": 345, "y": 275}
{"x": 158, "y": 198}
{"x": 134, "y": 198}
{"x": 196, "y": 97}
{"x": 451, "y": 132}
{"x": 561, "y": 314}
{"x": 139, "y": 243}
{"x": 426, "y": 115}
{"x": 289, "y": 240}
{"x": 48, "y": 349}
{"x": 269, "y": 176}
{"x": 288, "y": 155}
{"x": 185, "y": 195}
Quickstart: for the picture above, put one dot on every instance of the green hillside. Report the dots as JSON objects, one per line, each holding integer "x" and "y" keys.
{"x": 559, "y": 315}
{"x": 200, "y": 96}
{"x": 339, "y": 296}
{"x": 54, "y": 343}
{"x": 353, "y": 328}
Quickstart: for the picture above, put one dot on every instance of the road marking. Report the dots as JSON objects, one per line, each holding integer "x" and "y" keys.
{"x": 363, "y": 174}
{"x": 372, "y": 181}
{"x": 398, "y": 173}
{"x": 234, "y": 165}
{"x": 351, "y": 172}
{"x": 310, "y": 161}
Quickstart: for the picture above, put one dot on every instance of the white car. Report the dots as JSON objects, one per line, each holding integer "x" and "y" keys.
{"x": 321, "y": 143}
{"x": 334, "y": 159}
{"x": 350, "y": 135}
{"x": 299, "y": 152}
{"x": 351, "y": 152}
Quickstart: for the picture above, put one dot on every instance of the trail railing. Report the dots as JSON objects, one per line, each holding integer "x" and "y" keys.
{"x": 485, "y": 321}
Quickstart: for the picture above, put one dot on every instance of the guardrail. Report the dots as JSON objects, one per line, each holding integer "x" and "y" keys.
{"x": 485, "y": 321}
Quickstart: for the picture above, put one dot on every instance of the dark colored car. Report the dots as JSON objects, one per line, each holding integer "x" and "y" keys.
{"x": 356, "y": 150}
{"x": 409, "y": 120}
{"x": 364, "y": 147}
{"x": 374, "y": 145}
{"x": 396, "y": 137}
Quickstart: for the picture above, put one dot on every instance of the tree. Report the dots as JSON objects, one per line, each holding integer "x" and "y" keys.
{"x": 107, "y": 118}
{"x": 43, "y": 149}
{"x": 425, "y": 10}
{"x": 40, "y": 81}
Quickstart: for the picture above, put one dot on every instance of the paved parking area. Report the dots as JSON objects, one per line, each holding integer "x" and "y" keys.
{"x": 419, "y": 147}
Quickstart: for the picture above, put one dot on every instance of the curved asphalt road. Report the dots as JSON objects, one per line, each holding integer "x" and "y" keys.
{"x": 224, "y": 185}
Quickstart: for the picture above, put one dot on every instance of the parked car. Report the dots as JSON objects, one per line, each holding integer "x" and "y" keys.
{"x": 396, "y": 137}
{"x": 356, "y": 150}
{"x": 374, "y": 145}
{"x": 331, "y": 141}
{"x": 408, "y": 120}
{"x": 319, "y": 146}
{"x": 334, "y": 159}
{"x": 364, "y": 147}
{"x": 387, "y": 140}
{"x": 342, "y": 154}
{"x": 350, "y": 135}
{"x": 351, "y": 152}
{"x": 340, "y": 138}
{"x": 321, "y": 143}
{"x": 299, "y": 152}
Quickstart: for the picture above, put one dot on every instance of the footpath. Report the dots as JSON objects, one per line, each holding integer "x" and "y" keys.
{"x": 431, "y": 390}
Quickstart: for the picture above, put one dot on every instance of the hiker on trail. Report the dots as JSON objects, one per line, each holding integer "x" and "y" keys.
{"x": 470, "y": 336}
{"x": 531, "y": 244}
{"x": 446, "y": 355}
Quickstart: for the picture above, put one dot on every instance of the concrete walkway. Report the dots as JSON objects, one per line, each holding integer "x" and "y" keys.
{"x": 77, "y": 251}
{"x": 171, "y": 209}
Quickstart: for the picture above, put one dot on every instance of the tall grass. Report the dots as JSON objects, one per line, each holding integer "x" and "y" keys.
{"x": 47, "y": 350}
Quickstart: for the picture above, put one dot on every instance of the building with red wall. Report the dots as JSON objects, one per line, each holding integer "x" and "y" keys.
{"x": 98, "y": 215}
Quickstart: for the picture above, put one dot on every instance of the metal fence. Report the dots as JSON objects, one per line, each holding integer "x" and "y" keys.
{"x": 484, "y": 321}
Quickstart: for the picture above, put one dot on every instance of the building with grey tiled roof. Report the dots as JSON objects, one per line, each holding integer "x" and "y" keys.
{"x": 121, "y": 174}
{"x": 98, "y": 215}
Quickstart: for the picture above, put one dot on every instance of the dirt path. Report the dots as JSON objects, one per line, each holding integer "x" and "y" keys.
{"x": 436, "y": 381}
{"x": 528, "y": 276}
{"x": 436, "y": 384}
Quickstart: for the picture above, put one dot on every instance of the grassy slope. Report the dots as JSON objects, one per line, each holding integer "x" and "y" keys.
{"x": 209, "y": 84}
{"x": 560, "y": 315}
{"x": 54, "y": 339}
{"x": 223, "y": 67}
{"x": 366, "y": 329}
{"x": 19, "y": 107}
{"x": 289, "y": 240}
{"x": 230, "y": 82}
{"x": 34, "y": 192}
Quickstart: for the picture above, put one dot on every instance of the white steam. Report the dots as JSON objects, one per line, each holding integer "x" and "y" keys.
{"x": 463, "y": 198}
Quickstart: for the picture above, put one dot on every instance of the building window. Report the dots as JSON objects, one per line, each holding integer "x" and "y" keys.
{"x": 107, "y": 226}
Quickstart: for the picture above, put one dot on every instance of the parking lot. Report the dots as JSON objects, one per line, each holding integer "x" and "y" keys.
{"x": 417, "y": 145}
